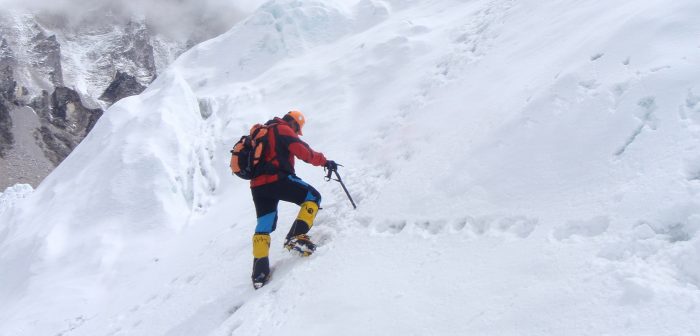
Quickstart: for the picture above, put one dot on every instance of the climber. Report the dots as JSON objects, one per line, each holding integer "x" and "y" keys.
{"x": 276, "y": 181}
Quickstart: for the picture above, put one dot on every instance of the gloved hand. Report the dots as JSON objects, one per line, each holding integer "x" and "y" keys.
{"x": 331, "y": 165}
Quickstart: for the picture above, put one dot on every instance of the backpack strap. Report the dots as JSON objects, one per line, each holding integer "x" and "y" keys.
{"x": 284, "y": 168}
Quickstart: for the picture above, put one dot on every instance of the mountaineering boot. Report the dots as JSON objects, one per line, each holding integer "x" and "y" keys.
{"x": 261, "y": 272}
{"x": 261, "y": 263}
{"x": 297, "y": 240}
{"x": 301, "y": 244}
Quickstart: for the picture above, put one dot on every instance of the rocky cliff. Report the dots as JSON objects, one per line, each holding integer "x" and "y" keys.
{"x": 57, "y": 78}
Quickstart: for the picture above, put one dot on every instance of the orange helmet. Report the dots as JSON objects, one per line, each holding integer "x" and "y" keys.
{"x": 298, "y": 118}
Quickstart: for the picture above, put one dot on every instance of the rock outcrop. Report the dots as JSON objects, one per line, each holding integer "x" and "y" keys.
{"x": 65, "y": 121}
{"x": 7, "y": 91}
{"x": 6, "y": 137}
{"x": 123, "y": 85}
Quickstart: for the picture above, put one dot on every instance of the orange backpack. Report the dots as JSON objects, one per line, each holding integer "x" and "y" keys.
{"x": 247, "y": 153}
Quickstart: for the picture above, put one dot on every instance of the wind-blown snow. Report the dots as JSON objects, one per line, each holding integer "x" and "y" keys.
{"x": 521, "y": 168}
{"x": 12, "y": 195}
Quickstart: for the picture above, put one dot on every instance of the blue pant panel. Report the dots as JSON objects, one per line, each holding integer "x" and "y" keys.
{"x": 312, "y": 194}
{"x": 267, "y": 223}
{"x": 311, "y": 197}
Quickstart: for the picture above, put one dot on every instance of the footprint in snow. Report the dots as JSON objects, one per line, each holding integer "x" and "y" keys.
{"x": 585, "y": 228}
{"x": 519, "y": 226}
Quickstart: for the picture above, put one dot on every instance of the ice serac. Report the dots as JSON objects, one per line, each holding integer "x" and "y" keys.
{"x": 137, "y": 175}
{"x": 151, "y": 160}
{"x": 276, "y": 31}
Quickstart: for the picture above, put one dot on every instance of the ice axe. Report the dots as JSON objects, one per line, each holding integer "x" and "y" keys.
{"x": 337, "y": 178}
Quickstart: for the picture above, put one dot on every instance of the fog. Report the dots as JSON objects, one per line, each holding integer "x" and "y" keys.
{"x": 196, "y": 19}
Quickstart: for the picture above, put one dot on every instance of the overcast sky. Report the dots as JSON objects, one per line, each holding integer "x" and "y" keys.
{"x": 168, "y": 16}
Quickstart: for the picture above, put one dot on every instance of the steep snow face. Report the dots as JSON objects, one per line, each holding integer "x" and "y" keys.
{"x": 520, "y": 168}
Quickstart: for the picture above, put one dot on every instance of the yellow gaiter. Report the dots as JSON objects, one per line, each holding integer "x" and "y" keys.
{"x": 307, "y": 213}
{"x": 261, "y": 245}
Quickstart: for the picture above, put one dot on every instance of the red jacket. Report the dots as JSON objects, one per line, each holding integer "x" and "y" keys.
{"x": 283, "y": 144}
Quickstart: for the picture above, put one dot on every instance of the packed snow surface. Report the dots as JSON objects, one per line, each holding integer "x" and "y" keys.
{"x": 520, "y": 168}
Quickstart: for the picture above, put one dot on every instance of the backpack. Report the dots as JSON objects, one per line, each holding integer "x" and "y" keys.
{"x": 248, "y": 153}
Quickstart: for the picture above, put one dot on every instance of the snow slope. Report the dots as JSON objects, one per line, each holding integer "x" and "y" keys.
{"x": 520, "y": 167}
